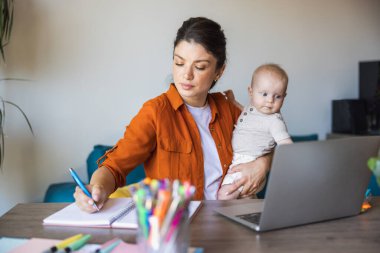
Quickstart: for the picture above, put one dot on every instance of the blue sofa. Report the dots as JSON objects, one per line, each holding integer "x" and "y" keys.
{"x": 63, "y": 192}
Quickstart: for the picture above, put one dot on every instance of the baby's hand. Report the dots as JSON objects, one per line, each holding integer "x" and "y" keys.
{"x": 229, "y": 95}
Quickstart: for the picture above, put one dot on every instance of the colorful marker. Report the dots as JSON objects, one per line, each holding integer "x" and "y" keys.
{"x": 63, "y": 243}
{"x": 76, "y": 244}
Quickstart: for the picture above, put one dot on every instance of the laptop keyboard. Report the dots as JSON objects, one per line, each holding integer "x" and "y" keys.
{"x": 250, "y": 217}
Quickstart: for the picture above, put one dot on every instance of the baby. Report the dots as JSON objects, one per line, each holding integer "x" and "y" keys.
{"x": 260, "y": 126}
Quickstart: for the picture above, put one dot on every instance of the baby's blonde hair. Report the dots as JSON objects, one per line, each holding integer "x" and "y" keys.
{"x": 273, "y": 69}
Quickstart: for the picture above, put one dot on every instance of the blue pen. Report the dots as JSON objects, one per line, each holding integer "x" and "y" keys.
{"x": 82, "y": 186}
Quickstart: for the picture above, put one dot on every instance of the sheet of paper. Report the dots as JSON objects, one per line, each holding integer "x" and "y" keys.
{"x": 22, "y": 245}
{"x": 73, "y": 216}
{"x": 35, "y": 245}
{"x": 7, "y": 243}
{"x": 126, "y": 247}
{"x": 40, "y": 244}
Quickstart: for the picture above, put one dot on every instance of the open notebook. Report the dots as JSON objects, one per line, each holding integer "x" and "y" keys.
{"x": 116, "y": 213}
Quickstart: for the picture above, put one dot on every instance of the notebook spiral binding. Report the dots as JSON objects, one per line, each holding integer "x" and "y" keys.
{"x": 127, "y": 210}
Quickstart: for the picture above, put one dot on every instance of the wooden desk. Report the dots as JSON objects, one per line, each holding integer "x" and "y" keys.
{"x": 216, "y": 234}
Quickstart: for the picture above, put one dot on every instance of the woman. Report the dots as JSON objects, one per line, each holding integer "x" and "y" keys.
{"x": 184, "y": 133}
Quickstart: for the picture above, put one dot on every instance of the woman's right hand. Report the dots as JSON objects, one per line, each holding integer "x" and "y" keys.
{"x": 253, "y": 175}
{"x": 85, "y": 203}
{"x": 102, "y": 184}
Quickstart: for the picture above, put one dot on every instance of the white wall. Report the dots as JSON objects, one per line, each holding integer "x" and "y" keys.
{"x": 91, "y": 64}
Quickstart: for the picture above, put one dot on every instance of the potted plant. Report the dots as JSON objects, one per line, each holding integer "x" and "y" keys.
{"x": 6, "y": 22}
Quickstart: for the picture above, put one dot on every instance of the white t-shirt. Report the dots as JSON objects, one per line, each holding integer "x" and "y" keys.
{"x": 212, "y": 168}
{"x": 256, "y": 134}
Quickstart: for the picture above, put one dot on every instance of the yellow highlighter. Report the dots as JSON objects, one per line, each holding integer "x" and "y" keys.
{"x": 76, "y": 244}
{"x": 65, "y": 242}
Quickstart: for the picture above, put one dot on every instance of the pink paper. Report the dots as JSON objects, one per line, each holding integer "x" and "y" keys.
{"x": 35, "y": 245}
{"x": 126, "y": 247}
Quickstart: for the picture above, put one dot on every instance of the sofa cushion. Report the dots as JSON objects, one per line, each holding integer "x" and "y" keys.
{"x": 60, "y": 192}
{"x": 96, "y": 153}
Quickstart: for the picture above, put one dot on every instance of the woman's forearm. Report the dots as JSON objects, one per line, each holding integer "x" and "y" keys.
{"x": 266, "y": 161}
{"x": 103, "y": 177}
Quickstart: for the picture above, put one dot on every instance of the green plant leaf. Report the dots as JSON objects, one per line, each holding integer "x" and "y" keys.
{"x": 6, "y": 23}
{"x": 2, "y": 120}
{"x": 2, "y": 115}
{"x": 23, "y": 113}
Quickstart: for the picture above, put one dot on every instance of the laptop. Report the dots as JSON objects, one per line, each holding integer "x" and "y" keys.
{"x": 310, "y": 182}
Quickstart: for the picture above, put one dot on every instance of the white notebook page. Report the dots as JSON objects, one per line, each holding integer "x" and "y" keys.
{"x": 73, "y": 216}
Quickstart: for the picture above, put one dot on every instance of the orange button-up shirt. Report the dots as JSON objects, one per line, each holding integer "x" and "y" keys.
{"x": 165, "y": 137}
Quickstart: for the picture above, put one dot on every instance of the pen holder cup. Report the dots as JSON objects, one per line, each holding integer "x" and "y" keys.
{"x": 172, "y": 237}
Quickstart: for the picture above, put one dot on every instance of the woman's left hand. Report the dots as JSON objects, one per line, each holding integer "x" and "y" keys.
{"x": 253, "y": 175}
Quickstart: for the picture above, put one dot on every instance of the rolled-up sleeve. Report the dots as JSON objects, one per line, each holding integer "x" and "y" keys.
{"x": 137, "y": 144}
